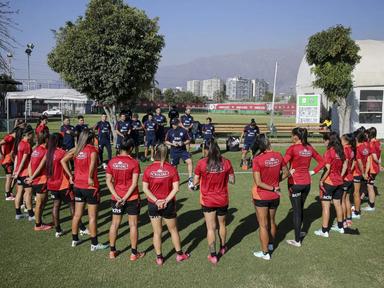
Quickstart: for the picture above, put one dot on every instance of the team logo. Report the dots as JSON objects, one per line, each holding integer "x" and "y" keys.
{"x": 35, "y": 154}
{"x": 181, "y": 133}
{"x": 159, "y": 174}
{"x": 365, "y": 152}
{"x": 81, "y": 156}
{"x": 305, "y": 153}
{"x": 272, "y": 162}
{"x": 120, "y": 165}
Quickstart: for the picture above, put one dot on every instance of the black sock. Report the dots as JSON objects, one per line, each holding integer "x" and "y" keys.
{"x": 94, "y": 241}
{"x": 58, "y": 228}
{"x": 134, "y": 251}
{"x": 324, "y": 229}
{"x": 222, "y": 246}
{"x": 30, "y": 213}
{"x": 371, "y": 204}
{"x": 179, "y": 252}
{"x": 18, "y": 211}
{"x": 7, "y": 194}
{"x": 38, "y": 224}
{"x": 113, "y": 248}
{"x": 357, "y": 212}
{"x": 75, "y": 237}
{"x": 82, "y": 226}
{"x": 213, "y": 254}
{"x": 265, "y": 253}
{"x": 340, "y": 224}
{"x": 159, "y": 256}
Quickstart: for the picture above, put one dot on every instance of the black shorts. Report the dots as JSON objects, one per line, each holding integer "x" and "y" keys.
{"x": 371, "y": 179}
{"x": 136, "y": 139}
{"x": 65, "y": 195}
{"x": 297, "y": 190}
{"x": 270, "y": 204}
{"x": 129, "y": 207}
{"x": 329, "y": 192}
{"x": 220, "y": 211}
{"x": 168, "y": 213}
{"x": 21, "y": 182}
{"x": 89, "y": 196}
{"x": 8, "y": 168}
{"x": 39, "y": 189}
{"x": 358, "y": 179}
{"x": 348, "y": 187}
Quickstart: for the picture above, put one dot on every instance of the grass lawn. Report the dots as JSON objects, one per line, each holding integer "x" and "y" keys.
{"x": 38, "y": 259}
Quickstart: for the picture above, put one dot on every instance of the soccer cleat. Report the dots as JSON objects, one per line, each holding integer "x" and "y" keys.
{"x": 31, "y": 218}
{"x": 356, "y": 216}
{"x": 75, "y": 243}
{"x": 137, "y": 256}
{"x": 98, "y": 247}
{"x": 349, "y": 223}
{"x": 294, "y": 243}
{"x": 190, "y": 183}
{"x": 337, "y": 229}
{"x": 213, "y": 259}
{"x": 11, "y": 197}
{"x": 20, "y": 216}
{"x": 42, "y": 227}
{"x": 84, "y": 232}
{"x": 321, "y": 233}
{"x": 223, "y": 250}
{"x": 59, "y": 234}
{"x": 262, "y": 255}
{"x": 113, "y": 254}
{"x": 182, "y": 257}
{"x": 160, "y": 261}
{"x": 368, "y": 209}
{"x": 152, "y": 159}
{"x": 270, "y": 247}
{"x": 303, "y": 234}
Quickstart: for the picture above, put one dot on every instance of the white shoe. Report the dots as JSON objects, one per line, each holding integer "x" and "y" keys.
{"x": 261, "y": 255}
{"x": 294, "y": 243}
{"x": 368, "y": 209}
{"x": 190, "y": 183}
{"x": 30, "y": 219}
{"x": 105, "y": 166}
{"x": 303, "y": 234}
{"x": 84, "y": 232}
{"x": 337, "y": 229}
{"x": 23, "y": 207}
{"x": 270, "y": 247}
{"x": 152, "y": 159}
{"x": 59, "y": 234}
{"x": 354, "y": 216}
{"x": 321, "y": 233}
{"x": 75, "y": 243}
{"x": 98, "y": 247}
{"x": 20, "y": 216}
{"x": 10, "y": 198}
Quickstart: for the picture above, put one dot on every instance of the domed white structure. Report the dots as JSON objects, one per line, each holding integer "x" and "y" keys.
{"x": 368, "y": 91}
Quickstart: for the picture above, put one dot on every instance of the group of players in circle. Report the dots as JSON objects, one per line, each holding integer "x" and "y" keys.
{"x": 65, "y": 164}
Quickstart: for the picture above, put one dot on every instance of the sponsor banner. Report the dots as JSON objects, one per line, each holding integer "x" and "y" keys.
{"x": 286, "y": 107}
{"x": 308, "y": 109}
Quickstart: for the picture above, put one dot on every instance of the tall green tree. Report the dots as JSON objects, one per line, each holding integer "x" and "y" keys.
{"x": 334, "y": 55}
{"x": 219, "y": 96}
{"x": 111, "y": 54}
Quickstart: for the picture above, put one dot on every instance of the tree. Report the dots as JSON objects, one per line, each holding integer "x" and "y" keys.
{"x": 169, "y": 97}
{"x": 219, "y": 96}
{"x": 334, "y": 55}
{"x": 7, "y": 84}
{"x": 268, "y": 97}
{"x": 111, "y": 54}
{"x": 6, "y": 40}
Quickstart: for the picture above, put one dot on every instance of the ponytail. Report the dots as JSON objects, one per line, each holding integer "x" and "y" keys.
{"x": 86, "y": 137}
{"x": 55, "y": 141}
{"x": 215, "y": 162}
{"x": 161, "y": 154}
{"x": 261, "y": 144}
{"x": 335, "y": 143}
{"x": 302, "y": 134}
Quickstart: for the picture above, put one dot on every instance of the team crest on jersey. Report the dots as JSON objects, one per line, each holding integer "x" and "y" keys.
{"x": 181, "y": 133}
{"x": 159, "y": 174}
{"x": 305, "y": 153}
{"x": 120, "y": 165}
{"x": 81, "y": 156}
{"x": 365, "y": 152}
{"x": 272, "y": 162}
{"x": 35, "y": 154}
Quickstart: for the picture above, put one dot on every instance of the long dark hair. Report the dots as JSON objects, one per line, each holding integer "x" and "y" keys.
{"x": 41, "y": 119}
{"x": 372, "y": 133}
{"x": 215, "y": 160}
{"x": 55, "y": 141}
{"x": 361, "y": 137}
{"x": 42, "y": 137}
{"x": 127, "y": 144}
{"x": 335, "y": 143}
{"x": 20, "y": 133}
{"x": 86, "y": 137}
{"x": 302, "y": 134}
{"x": 261, "y": 144}
{"x": 350, "y": 138}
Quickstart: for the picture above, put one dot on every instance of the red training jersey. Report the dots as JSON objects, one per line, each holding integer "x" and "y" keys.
{"x": 160, "y": 179}
{"x": 350, "y": 156}
{"x": 122, "y": 169}
{"x": 41, "y": 128}
{"x": 362, "y": 153}
{"x": 299, "y": 156}
{"x": 6, "y": 149}
{"x": 24, "y": 148}
{"x": 269, "y": 165}
{"x": 375, "y": 148}
{"x": 214, "y": 184}
{"x": 59, "y": 179}
{"x": 36, "y": 157}
{"x": 334, "y": 177}
{"x": 82, "y": 166}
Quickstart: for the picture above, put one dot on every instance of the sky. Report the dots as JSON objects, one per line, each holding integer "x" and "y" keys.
{"x": 201, "y": 28}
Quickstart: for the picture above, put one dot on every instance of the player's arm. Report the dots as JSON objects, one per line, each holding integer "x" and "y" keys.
{"x": 108, "y": 181}
{"x": 92, "y": 168}
{"x": 38, "y": 169}
{"x": 345, "y": 167}
{"x": 148, "y": 192}
{"x": 175, "y": 189}
{"x": 261, "y": 184}
{"x": 135, "y": 180}
{"x": 117, "y": 131}
{"x": 326, "y": 173}
{"x": 22, "y": 163}
{"x": 64, "y": 162}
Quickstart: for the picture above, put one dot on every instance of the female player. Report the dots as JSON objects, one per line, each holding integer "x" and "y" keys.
{"x": 38, "y": 178}
{"x": 23, "y": 156}
{"x": 349, "y": 144}
{"x": 331, "y": 183}
{"x": 86, "y": 186}
{"x": 122, "y": 177}
{"x": 6, "y": 148}
{"x": 213, "y": 174}
{"x": 375, "y": 160}
{"x": 268, "y": 168}
{"x": 299, "y": 156}
{"x": 160, "y": 185}
{"x": 361, "y": 170}
{"x": 58, "y": 182}
{"x": 42, "y": 125}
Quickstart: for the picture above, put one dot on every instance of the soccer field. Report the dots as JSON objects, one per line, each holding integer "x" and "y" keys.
{"x": 38, "y": 259}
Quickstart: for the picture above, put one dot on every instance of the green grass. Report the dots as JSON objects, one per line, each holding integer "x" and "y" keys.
{"x": 31, "y": 259}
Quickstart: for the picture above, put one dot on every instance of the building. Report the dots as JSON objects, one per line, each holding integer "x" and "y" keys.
{"x": 211, "y": 86}
{"x": 195, "y": 86}
{"x": 259, "y": 89}
{"x": 239, "y": 89}
{"x": 366, "y": 97}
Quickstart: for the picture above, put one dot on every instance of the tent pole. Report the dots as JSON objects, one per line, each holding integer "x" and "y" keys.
{"x": 7, "y": 103}
{"x": 25, "y": 113}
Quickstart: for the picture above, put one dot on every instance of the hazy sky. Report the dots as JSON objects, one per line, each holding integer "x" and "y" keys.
{"x": 198, "y": 28}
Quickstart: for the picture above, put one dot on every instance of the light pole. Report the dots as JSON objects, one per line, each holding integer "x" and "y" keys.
{"x": 10, "y": 56}
{"x": 28, "y": 51}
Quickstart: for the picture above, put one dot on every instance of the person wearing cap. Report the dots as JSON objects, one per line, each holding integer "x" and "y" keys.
{"x": 178, "y": 138}
{"x": 249, "y": 134}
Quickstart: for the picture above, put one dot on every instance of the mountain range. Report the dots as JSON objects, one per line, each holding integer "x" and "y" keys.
{"x": 250, "y": 64}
